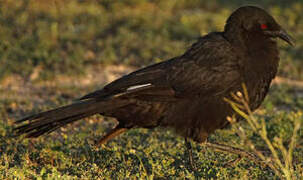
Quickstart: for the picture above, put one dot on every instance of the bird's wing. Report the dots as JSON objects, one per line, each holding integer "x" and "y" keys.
{"x": 152, "y": 78}
{"x": 209, "y": 66}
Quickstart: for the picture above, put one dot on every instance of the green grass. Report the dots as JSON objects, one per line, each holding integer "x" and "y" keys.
{"x": 51, "y": 53}
{"x": 70, "y": 153}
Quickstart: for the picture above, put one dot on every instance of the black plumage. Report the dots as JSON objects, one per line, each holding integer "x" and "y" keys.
{"x": 184, "y": 93}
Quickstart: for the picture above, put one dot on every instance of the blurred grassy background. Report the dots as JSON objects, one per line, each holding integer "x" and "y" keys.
{"x": 52, "y": 51}
{"x": 66, "y": 36}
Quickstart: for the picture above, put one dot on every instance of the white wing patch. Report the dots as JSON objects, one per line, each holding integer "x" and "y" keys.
{"x": 138, "y": 86}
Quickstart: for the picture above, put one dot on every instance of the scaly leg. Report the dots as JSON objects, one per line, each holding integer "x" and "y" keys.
{"x": 190, "y": 154}
{"x": 113, "y": 133}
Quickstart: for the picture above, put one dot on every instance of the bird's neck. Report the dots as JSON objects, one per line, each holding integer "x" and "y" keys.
{"x": 258, "y": 52}
{"x": 234, "y": 35}
{"x": 263, "y": 54}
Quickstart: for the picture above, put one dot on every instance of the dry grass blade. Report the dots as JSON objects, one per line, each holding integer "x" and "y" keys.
{"x": 282, "y": 166}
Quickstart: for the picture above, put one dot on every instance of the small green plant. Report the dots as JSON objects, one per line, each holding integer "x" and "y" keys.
{"x": 280, "y": 156}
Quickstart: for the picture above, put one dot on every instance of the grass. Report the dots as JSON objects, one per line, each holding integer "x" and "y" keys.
{"x": 70, "y": 153}
{"x": 51, "y": 53}
{"x": 280, "y": 148}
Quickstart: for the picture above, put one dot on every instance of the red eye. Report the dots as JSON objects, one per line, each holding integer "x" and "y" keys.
{"x": 263, "y": 26}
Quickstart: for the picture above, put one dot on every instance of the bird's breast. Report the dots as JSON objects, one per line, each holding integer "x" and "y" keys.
{"x": 257, "y": 91}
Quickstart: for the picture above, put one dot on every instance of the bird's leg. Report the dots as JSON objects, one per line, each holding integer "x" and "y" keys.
{"x": 113, "y": 133}
{"x": 190, "y": 154}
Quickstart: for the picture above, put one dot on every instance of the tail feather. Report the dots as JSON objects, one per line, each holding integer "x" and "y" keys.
{"x": 65, "y": 111}
{"x": 48, "y": 128}
{"x": 48, "y": 121}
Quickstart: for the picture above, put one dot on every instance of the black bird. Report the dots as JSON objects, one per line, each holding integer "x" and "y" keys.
{"x": 184, "y": 93}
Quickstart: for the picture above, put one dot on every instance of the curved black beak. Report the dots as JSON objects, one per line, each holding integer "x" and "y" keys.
{"x": 286, "y": 37}
{"x": 282, "y": 34}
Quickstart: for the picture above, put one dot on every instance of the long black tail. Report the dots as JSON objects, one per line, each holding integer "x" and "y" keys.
{"x": 48, "y": 121}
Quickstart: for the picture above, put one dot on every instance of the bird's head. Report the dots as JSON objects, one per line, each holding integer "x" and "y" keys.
{"x": 256, "y": 22}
